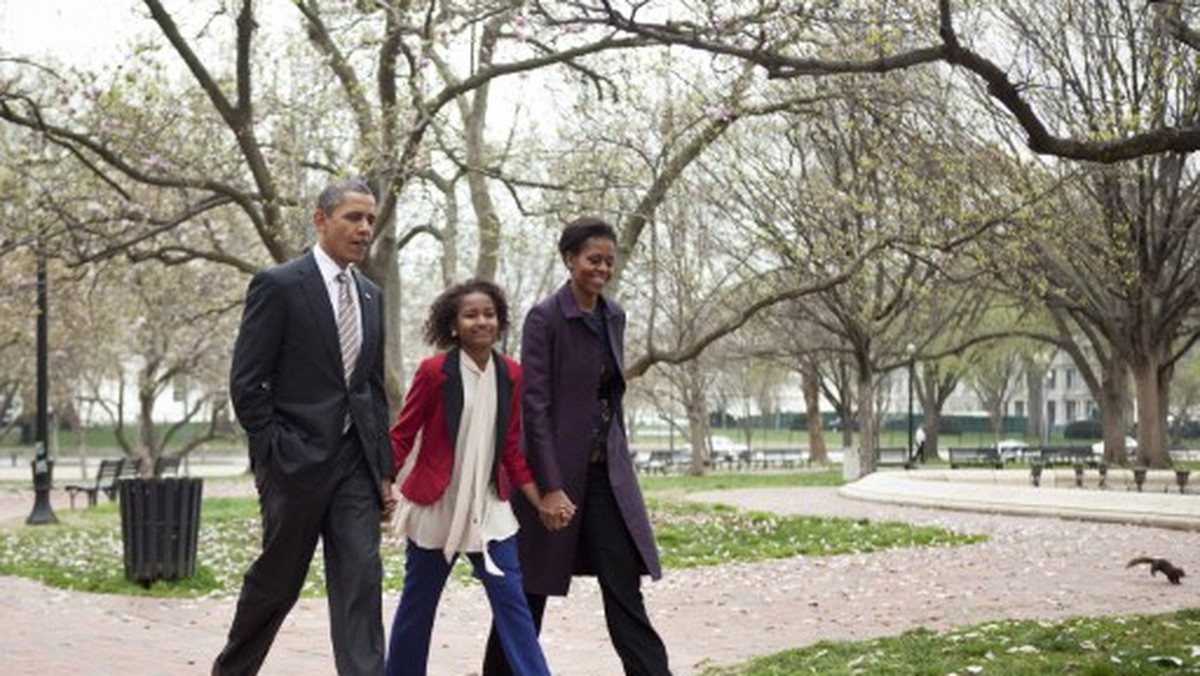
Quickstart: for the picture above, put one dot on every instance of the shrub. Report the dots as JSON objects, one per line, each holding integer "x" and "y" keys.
{"x": 948, "y": 425}
{"x": 1084, "y": 429}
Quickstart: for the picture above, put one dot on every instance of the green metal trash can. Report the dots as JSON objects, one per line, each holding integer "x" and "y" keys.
{"x": 160, "y": 525}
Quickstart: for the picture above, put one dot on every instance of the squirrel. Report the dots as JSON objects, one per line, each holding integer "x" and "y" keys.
{"x": 1172, "y": 572}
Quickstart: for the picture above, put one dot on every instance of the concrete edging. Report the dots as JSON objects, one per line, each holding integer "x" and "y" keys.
{"x": 1009, "y": 492}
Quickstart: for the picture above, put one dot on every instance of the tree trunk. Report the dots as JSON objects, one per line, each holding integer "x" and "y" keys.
{"x": 996, "y": 417}
{"x": 930, "y": 385}
{"x": 1151, "y": 407}
{"x": 387, "y": 274}
{"x": 1035, "y": 412}
{"x": 811, "y": 385}
{"x": 147, "y": 448}
{"x": 477, "y": 184}
{"x": 1113, "y": 386}
{"x": 933, "y": 420}
{"x": 866, "y": 418}
{"x": 696, "y": 406}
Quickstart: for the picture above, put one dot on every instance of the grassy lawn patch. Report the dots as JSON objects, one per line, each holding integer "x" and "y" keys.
{"x": 701, "y": 535}
{"x": 729, "y": 480}
{"x": 85, "y": 552}
{"x": 1152, "y": 644}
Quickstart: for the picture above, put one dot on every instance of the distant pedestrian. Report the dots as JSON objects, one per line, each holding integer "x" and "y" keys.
{"x": 920, "y": 443}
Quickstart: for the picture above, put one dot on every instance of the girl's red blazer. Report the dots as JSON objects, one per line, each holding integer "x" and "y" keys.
{"x": 433, "y": 409}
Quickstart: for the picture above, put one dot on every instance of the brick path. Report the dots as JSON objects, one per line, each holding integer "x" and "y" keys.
{"x": 1030, "y": 568}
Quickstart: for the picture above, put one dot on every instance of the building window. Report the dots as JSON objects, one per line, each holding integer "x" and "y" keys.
{"x": 1050, "y": 379}
{"x": 1072, "y": 409}
{"x": 1070, "y": 375}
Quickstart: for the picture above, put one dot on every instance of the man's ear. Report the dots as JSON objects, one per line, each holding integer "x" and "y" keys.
{"x": 319, "y": 219}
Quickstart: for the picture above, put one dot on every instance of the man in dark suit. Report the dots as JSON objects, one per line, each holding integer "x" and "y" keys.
{"x": 307, "y": 386}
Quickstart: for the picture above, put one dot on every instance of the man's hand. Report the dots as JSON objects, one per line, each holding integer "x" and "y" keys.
{"x": 388, "y": 501}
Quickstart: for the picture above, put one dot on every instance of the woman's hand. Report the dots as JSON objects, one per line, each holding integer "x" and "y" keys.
{"x": 556, "y": 510}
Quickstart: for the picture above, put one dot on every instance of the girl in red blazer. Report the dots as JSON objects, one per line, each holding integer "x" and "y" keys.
{"x": 464, "y": 406}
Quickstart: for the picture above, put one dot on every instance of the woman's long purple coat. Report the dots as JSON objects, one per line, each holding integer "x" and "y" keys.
{"x": 561, "y": 360}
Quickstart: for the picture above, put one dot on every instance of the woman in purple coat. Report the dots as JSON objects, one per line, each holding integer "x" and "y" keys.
{"x": 572, "y": 355}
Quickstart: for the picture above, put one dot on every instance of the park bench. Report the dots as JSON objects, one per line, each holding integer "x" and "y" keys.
{"x": 724, "y": 461}
{"x": 784, "y": 458}
{"x": 110, "y": 473}
{"x": 893, "y": 456}
{"x": 974, "y": 456}
{"x": 654, "y": 461}
{"x": 1067, "y": 455}
{"x": 166, "y": 465}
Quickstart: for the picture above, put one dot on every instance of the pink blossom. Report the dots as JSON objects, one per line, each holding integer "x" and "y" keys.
{"x": 155, "y": 162}
{"x": 719, "y": 111}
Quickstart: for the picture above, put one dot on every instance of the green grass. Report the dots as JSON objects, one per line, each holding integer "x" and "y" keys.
{"x": 729, "y": 480}
{"x": 99, "y": 438}
{"x": 85, "y": 551}
{"x": 692, "y": 535}
{"x": 1154, "y": 644}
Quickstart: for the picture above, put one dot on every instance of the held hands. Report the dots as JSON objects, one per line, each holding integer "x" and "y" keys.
{"x": 556, "y": 510}
{"x": 388, "y": 501}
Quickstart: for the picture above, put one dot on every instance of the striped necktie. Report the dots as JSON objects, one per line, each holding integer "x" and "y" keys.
{"x": 347, "y": 326}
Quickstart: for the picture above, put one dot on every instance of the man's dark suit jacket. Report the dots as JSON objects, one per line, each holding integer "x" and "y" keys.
{"x": 288, "y": 384}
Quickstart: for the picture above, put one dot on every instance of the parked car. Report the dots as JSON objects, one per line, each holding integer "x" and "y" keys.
{"x": 1098, "y": 447}
{"x": 836, "y": 424}
{"x": 1013, "y": 449}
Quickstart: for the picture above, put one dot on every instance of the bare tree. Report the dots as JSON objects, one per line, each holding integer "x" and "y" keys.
{"x": 788, "y": 43}
{"x": 1113, "y": 255}
{"x": 233, "y": 145}
{"x": 856, "y": 175}
{"x": 993, "y": 378}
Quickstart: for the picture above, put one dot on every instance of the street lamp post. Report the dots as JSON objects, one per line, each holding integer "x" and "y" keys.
{"x": 43, "y": 466}
{"x": 911, "y": 349}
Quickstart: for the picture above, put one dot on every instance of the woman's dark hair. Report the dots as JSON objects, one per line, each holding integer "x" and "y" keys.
{"x": 580, "y": 231}
{"x": 444, "y": 309}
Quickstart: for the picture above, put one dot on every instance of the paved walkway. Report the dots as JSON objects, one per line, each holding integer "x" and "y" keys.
{"x": 1158, "y": 503}
{"x": 1030, "y": 567}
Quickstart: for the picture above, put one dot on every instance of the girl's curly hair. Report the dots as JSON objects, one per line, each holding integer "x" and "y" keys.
{"x": 439, "y": 325}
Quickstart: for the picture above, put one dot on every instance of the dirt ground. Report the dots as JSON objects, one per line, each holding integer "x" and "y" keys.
{"x": 1029, "y": 568}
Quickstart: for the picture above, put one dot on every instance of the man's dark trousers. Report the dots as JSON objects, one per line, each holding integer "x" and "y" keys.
{"x": 343, "y": 510}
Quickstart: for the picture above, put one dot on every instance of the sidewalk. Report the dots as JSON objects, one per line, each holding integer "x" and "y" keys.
{"x": 69, "y": 470}
{"x": 1030, "y": 567}
{"x": 1011, "y": 492}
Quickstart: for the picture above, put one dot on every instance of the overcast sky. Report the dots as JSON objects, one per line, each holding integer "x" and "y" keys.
{"x": 76, "y": 32}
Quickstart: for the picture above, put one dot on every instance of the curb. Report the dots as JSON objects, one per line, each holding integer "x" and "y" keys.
{"x": 992, "y": 492}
